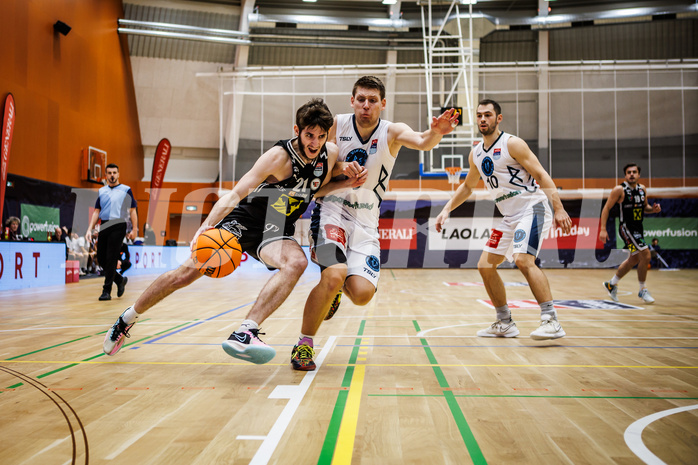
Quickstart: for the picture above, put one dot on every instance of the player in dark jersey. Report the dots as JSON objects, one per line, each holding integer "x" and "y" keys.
{"x": 261, "y": 210}
{"x": 632, "y": 198}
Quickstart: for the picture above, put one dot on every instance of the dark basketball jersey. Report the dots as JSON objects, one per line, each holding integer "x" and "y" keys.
{"x": 632, "y": 207}
{"x": 270, "y": 212}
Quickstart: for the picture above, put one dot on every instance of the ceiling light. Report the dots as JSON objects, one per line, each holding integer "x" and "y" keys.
{"x": 310, "y": 1}
{"x": 389, "y": 2}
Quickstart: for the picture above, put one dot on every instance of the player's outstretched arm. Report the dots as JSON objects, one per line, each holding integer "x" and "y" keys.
{"x": 461, "y": 195}
{"x": 401, "y": 134}
{"x": 613, "y": 199}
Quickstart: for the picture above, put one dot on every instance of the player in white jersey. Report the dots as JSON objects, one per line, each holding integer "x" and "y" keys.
{"x": 521, "y": 189}
{"x": 344, "y": 225}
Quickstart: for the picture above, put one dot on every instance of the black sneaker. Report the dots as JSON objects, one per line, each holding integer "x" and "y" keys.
{"x": 105, "y": 296}
{"x": 120, "y": 288}
{"x": 116, "y": 335}
{"x": 246, "y": 345}
{"x": 335, "y": 305}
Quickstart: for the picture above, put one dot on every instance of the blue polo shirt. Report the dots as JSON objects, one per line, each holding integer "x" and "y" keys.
{"x": 111, "y": 201}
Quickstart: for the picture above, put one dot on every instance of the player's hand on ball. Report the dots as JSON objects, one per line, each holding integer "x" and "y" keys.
{"x": 202, "y": 229}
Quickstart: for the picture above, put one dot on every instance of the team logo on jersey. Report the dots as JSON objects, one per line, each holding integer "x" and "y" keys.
{"x": 315, "y": 184}
{"x": 295, "y": 170}
{"x": 358, "y": 155}
{"x": 373, "y": 263}
{"x": 497, "y": 154}
{"x": 319, "y": 168}
{"x": 519, "y": 235}
{"x": 286, "y": 205}
{"x": 487, "y": 166}
{"x": 374, "y": 147}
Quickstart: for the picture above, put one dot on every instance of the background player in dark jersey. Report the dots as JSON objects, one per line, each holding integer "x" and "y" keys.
{"x": 290, "y": 172}
{"x": 632, "y": 198}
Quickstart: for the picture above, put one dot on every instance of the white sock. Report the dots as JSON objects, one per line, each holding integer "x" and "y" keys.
{"x": 247, "y": 325}
{"x": 642, "y": 285}
{"x": 614, "y": 280}
{"x": 547, "y": 308}
{"x": 130, "y": 315}
{"x": 503, "y": 313}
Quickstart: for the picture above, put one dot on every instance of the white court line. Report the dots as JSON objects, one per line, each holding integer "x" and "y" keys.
{"x": 250, "y": 438}
{"x": 296, "y": 394}
{"x": 422, "y": 333}
{"x": 633, "y": 434}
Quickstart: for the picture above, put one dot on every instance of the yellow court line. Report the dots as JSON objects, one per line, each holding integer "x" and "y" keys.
{"x": 84, "y": 362}
{"x": 389, "y": 365}
{"x": 347, "y": 430}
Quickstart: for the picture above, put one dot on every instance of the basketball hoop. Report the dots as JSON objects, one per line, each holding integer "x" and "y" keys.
{"x": 453, "y": 173}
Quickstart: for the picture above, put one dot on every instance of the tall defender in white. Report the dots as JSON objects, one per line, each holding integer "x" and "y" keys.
{"x": 521, "y": 189}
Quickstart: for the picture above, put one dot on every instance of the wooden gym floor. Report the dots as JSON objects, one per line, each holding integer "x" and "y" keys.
{"x": 403, "y": 380}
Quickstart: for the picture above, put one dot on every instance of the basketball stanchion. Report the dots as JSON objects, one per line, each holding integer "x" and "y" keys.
{"x": 453, "y": 173}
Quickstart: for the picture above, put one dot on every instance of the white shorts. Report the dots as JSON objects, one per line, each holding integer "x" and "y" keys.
{"x": 522, "y": 233}
{"x": 332, "y": 234}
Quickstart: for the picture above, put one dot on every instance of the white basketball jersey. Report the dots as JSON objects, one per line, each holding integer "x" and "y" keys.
{"x": 362, "y": 203}
{"x": 511, "y": 186}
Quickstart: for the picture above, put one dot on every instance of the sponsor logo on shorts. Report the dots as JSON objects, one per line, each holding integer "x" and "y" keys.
{"x": 495, "y": 237}
{"x": 335, "y": 233}
{"x": 373, "y": 263}
{"x": 271, "y": 227}
{"x": 519, "y": 235}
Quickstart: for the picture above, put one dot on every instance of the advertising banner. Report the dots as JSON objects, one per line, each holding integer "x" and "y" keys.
{"x": 8, "y": 127}
{"x": 162, "y": 157}
{"x": 38, "y": 222}
{"x": 31, "y": 264}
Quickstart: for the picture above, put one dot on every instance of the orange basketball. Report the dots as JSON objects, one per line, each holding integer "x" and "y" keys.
{"x": 217, "y": 253}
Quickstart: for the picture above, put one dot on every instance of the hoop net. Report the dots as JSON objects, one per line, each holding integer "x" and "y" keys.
{"x": 453, "y": 173}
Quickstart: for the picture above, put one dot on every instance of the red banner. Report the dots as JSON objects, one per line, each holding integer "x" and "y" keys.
{"x": 162, "y": 156}
{"x": 8, "y": 126}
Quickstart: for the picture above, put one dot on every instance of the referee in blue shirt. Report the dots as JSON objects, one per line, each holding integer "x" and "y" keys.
{"x": 113, "y": 201}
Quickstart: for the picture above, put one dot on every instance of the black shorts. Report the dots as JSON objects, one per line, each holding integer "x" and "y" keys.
{"x": 254, "y": 233}
{"x": 634, "y": 239}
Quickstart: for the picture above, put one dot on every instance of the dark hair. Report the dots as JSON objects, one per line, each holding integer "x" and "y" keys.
{"x": 495, "y": 105}
{"x": 369, "y": 82}
{"x": 655, "y": 239}
{"x": 112, "y": 165}
{"x": 314, "y": 113}
{"x": 630, "y": 165}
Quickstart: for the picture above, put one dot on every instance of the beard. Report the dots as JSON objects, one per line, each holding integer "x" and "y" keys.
{"x": 488, "y": 131}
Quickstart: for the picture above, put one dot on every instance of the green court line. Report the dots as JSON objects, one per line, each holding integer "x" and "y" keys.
{"x": 466, "y": 433}
{"x": 50, "y": 347}
{"x": 330, "y": 443}
{"x": 394, "y": 277}
{"x": 43, "y": 375}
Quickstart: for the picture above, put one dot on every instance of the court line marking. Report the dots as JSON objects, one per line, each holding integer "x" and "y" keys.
{"x": 471, "y": 444}
{"x": 393, "y": 365}
{"x": 272, "y": 439}
{"x": 633, "y": 434}
{"x": 347, "y": 431}
{"x": 595, "y": 320}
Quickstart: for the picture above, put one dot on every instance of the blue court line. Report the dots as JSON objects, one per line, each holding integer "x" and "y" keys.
{"x": 513, "y": 347}
{"x": 197, "y": 323}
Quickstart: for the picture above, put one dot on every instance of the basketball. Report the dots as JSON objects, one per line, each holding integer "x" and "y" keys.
{"x": 217, "y": 253}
